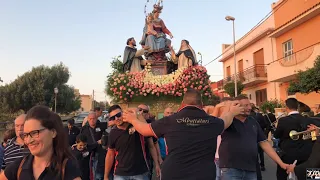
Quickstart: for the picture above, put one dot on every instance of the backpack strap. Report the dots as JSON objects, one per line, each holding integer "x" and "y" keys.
{"x": 64, "y": 168}
{"x": 20, "y": 167}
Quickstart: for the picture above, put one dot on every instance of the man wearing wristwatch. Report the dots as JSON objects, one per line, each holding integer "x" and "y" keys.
{"x": 191, "y": 136}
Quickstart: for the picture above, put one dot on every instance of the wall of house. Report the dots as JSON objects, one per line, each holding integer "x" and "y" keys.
{"x": 247, "y": 55}
{"x": 302, "y": 36}
{"x": 278, "y": 70}
{"x": 309, "y": 99}
{"x": 290, "y": 9}
{"x": 272, "y": 91}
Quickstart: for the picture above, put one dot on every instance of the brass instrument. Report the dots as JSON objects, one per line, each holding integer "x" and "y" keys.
{"x": 273, "y": 124}
{"x": 305, "y": 135}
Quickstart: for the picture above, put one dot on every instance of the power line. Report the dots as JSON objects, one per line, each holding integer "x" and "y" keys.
{"x": 292, "y": 54}
{"x": 254, "y": 27}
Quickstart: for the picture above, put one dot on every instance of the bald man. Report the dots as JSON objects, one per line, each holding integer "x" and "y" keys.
{"x": 15, "y": 147}
{"x": 191, "y": 137}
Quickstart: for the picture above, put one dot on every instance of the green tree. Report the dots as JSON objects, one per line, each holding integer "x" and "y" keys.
{"x": 117, "y": 68}
{"x": 270, "y": 105}
{"x": 229, "y": 88}
{"x": 36, "y": 87}
{"x": 116, "y": 64}
{"x": 307, "y": 81}
{"x": 67, "y": 101}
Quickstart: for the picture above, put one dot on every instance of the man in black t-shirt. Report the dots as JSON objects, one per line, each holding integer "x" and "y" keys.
{"x": 238, "y": 149}
{"x": 128, "y": 148}
{"x": 191, "y": 137}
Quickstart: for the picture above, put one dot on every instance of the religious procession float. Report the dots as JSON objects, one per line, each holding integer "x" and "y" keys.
{"x": 155, "y": 74}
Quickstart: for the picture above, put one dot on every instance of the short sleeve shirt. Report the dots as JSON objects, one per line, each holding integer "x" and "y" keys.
{"x": 11, "y": 172}
{"x": 130, "y": 152}
{"x": 191, "y": 139}
{"x": 239, "y": 145}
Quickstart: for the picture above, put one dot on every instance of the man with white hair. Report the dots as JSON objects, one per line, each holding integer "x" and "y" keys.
{"x": 94, "y": 131}
{"x": 15, "y": 148}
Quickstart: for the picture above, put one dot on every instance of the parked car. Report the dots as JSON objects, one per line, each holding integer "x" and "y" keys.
{"x": 104, "y": 117}
{"x": 79, "y": 119}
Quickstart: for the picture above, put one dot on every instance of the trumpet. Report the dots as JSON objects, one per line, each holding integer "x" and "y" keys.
{"x": 305, "y": 135}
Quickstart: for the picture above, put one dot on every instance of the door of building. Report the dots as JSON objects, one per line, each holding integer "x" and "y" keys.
{"x": 261, "y": 96}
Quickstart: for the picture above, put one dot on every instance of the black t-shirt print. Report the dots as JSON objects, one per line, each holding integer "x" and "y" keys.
{"x": 191, "y": 139}
{"x": 72, "y": 170}
{"x": 83, "y": 158}
{"x": 130, "y": 152}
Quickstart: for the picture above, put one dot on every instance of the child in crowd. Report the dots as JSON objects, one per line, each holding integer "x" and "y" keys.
{"x": 7, "y": 136}
{"x": 83, "y": 156}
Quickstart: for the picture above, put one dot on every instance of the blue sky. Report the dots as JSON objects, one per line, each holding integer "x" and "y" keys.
{"x": 85, "y": 35}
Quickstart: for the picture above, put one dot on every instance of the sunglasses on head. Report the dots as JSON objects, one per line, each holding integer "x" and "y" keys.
{"x": 143, "y": 110}
{"x": 119, "y": 114}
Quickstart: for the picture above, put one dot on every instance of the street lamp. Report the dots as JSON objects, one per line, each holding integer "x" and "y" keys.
{"x": 200, "y": 61}
{"x": 230, "y": 18}
{"x": 56, "y": 90}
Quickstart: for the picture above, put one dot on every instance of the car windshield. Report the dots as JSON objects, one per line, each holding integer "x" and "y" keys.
{"x": 80, "y": 118}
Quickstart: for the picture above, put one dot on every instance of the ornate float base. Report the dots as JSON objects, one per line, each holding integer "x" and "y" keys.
{"x": 158, "y": 67}
{"x": 156, "y": 108}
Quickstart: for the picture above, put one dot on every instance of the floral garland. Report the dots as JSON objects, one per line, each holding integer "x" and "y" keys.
{"x": 130, "y": 86}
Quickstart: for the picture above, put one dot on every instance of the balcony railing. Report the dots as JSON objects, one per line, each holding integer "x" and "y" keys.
{"x": 297, "y": 57}
{"x": 247, "y": 75}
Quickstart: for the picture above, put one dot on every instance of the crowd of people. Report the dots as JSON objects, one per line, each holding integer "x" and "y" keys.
{"x": 226, "y": 141}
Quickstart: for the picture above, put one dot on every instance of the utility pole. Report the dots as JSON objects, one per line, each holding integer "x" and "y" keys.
{"x": 92, "y": 99}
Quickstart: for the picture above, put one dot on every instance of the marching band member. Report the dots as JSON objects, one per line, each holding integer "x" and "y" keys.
{"x": 292, "y": 150}
{"x": 312, "y": 162}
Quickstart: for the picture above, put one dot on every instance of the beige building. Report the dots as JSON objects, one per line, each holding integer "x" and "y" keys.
{"x": 86, "y": 103}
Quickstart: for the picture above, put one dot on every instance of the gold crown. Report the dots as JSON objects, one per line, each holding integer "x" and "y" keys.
{"x": 157, "y": 7}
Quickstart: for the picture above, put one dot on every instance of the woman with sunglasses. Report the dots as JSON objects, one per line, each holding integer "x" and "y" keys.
{"x": 50, "y": 158}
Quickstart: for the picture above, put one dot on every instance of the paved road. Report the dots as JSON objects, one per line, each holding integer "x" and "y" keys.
{"x": 271, "y": 169}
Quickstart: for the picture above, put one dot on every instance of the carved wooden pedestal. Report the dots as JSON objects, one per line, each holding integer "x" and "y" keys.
{"x": 159, "y": 67}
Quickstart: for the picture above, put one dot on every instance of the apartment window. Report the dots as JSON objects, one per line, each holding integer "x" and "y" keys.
{"x": 228, "y": 71}
{"x": 288, "y": 50}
